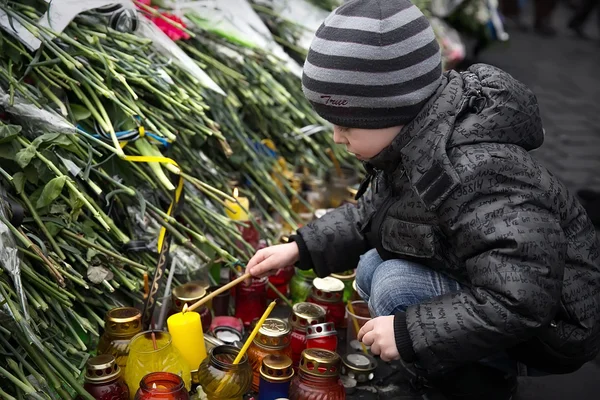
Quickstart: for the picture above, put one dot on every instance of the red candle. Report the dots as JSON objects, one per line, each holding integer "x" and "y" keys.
{"x": 322, "y": 336}
{"x": 162, "y": 385}
{"x": 251, "y": 300}
{"x": 303, "y": 315}
{"x": 329, "y": 294}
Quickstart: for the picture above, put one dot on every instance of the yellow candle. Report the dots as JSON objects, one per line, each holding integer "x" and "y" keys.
{"x": 238, "y": 211}
{"x": 188, "y": 338}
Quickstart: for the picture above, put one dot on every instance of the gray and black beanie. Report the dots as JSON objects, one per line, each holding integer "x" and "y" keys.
{"x": 373, "y": 64}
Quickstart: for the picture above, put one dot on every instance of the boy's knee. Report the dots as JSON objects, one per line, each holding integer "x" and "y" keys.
{"x": 369, "y": 262}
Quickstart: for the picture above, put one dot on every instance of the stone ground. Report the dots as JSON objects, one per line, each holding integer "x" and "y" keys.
{"x": 564, "y": 72}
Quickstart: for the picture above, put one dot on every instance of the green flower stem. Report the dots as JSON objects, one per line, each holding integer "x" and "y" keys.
{"x": 37, "y": 253}
{"x": 50, "y": 288}
{"x": 70, "y": 185}
{"x": 6, "y": 396}
{"x": 92, "y": 314}
{"x": 29, "y": 390}
{"x": 185, "y": 242}
{"x": 40, "y": 224}
{"x": 114, "y": 229}
{"x": 101, "y": 249}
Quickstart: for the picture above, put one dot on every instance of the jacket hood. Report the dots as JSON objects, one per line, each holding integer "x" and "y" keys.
{"x": 481, "y": 105}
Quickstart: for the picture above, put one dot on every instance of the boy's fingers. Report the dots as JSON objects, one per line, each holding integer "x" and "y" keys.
{"x": 368, "y": 338}
{"x": 367, "y": 327}
{"x": 254, "y": 261}
{"x": 264, "y": 267}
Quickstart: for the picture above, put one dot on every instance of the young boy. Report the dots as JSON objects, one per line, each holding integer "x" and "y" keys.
{"x": 475, "y": 260}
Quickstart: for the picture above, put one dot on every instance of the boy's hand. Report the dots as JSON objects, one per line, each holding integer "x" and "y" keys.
{"x": 379, "y": 334}
{"x": 273, "y": 258}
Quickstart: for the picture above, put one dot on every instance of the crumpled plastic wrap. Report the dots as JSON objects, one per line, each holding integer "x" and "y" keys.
{"x": 32, "y": 118}
{"x": 301, "y": 12}
{"x": 238, "y": 19}
{"x": 11, "y": 263}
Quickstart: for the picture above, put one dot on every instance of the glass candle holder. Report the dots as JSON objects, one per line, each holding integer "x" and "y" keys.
{"x": 220, "y": 303}
{"x": 337, "y": 186}
{"x": 303, "y": 315}
{"x": 322, "y": 336}
{"x": 300, "y": 285}
{"x": 273, "y": 338}
{"x": 361, "y": 315}
{"x": 220, "y": 378}
{"x": 276, "y": 374}
{"x": 162, "y": 386}
{"x": 121, "y": 324}
{"x": 328, "y": 293}
{"x": 144, "y": 358}
{"x": 281, "y": 282}
{"x": 251, "y": 300}
{"x": 318, "y": 377}
{"x": 103, "y": 379}
{"x": 189, "y": 293}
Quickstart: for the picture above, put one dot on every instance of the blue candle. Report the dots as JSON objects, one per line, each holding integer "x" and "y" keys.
{"x": 276, "y": 373}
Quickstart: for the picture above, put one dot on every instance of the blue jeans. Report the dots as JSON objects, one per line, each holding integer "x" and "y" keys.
{"x": 393, "y": 285}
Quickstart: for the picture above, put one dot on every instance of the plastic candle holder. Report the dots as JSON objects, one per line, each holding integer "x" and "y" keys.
{"x": 144, "y": 359}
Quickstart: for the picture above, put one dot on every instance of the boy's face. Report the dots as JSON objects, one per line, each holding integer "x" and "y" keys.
{"x": 365, "y": 143}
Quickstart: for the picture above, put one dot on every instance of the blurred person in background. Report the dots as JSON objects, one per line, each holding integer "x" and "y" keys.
{"x": 582, "y": 12}
{"x": 543, "y": 10}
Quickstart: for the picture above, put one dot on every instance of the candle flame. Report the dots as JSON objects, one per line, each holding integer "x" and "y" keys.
{"x": 185, "y": 308}
{"x": 236, "y": 193}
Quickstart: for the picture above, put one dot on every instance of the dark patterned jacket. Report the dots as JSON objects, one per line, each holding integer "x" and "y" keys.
{"x": 458, "y": 191}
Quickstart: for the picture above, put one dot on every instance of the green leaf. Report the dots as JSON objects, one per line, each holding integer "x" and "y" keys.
{"x": 91, "y": 253}
{"x": 9, "y": 150}
{"x": 8, "y": 132}
{"x": 80, "y": 112}
{"x": 19, "y": 182}
{"x": 51, "y": 191}
{"x": 53, "y": 228}
{"x": 58, "y": 208}
{"x": 24, "y": 156}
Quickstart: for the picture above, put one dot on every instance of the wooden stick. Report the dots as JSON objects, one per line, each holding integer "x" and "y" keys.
{"x": 336, "y": 163}
{"x": 219, "y": 291}
{"x": 355, "y": 322}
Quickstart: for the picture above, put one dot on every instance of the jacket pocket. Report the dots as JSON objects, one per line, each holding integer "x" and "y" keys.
{"x": 408, "y": 238}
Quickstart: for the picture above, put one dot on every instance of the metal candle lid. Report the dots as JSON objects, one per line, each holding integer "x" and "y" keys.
{"x": 305, "y": 314}
{"x": 125, "y": 322}
{"x": 319, "y": 362}
{"x": 320, "y": 330}
{"x": 359, "y": 366}
{"x": 227, "y": 334}
{"x": 277, "y": 368}
{"x": 101, "y": 369}
{"x": 187, "y": 293}
{"x": 274, "y": 334}
{"x": 328, "y": 289}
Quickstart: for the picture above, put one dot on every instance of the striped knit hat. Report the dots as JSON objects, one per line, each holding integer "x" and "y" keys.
{"x": 373, "y": 64}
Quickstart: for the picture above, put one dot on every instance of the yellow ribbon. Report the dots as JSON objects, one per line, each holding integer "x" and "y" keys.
{"x": 162, "y": 160}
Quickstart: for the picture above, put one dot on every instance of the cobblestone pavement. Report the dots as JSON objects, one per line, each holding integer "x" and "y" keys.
{"x": 564, "y": 74}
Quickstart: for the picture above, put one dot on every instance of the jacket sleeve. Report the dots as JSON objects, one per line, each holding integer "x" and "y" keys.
{"x": 335, "y": 242}
{"x": 503, "y": 230}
